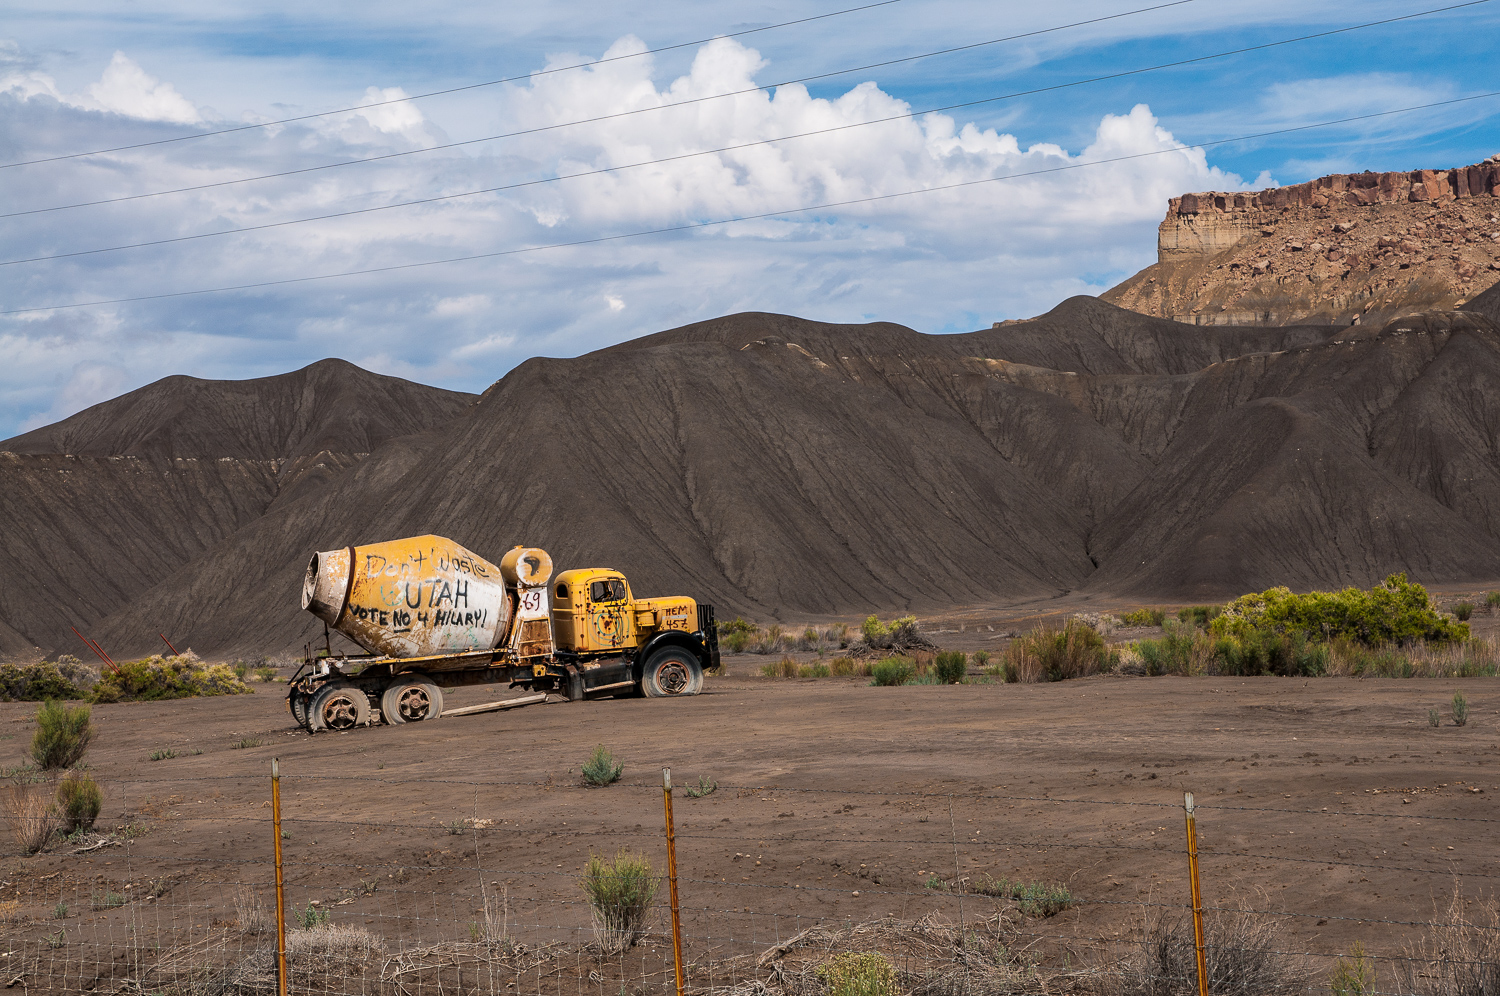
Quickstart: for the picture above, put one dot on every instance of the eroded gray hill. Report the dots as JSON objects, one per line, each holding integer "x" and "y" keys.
{"x": 775, "y": 465}
{"x": 103, "y": 505}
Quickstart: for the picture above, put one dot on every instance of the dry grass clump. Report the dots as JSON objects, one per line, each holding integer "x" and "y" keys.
{"x": 1474, "y": 658}
{"x": 31, "y": 817}
{"x": 1244, "y": 955}
{"x": 331, "y": 947}
{"x": 1048, "y": 654}
{"x": 1460, "y": 956}
{"x": 250, "y": 913}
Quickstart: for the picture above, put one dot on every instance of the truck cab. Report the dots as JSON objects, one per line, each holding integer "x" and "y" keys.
{"x": 595, "y": 612}
{"x": 597, "y": 617}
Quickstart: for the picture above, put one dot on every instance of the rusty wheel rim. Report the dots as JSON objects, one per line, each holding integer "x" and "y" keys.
{"x": 414, "y": 704}
{"x": 340, "y": 712}
{"x": 672, "y": 677}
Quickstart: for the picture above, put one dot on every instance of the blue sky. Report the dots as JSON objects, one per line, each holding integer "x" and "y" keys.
{"x": 78, "y": 77}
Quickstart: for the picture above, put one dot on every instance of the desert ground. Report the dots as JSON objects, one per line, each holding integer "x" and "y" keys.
{"x": 1329, "y": 800}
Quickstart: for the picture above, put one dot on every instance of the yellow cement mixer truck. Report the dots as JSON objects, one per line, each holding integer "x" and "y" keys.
{"x": 433, "y": 615}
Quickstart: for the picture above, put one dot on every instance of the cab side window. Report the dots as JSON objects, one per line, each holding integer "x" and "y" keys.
{"x": 562, "y": 593}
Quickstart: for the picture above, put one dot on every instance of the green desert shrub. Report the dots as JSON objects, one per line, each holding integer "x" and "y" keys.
{"x": 1038, "y": 899}
{"x": 1258, "y": 652}
{"x": 1199, "y": 615}
{"x": 78, "y": 801}
{"x": 841, "y": 667}
{"x": 899, "y": 634}
{"x": 1144, "y": 617}
{"x": 951, "y": 667}
{"x": 859, "y": 973}
{"x": 37, "y": 681}
{"x": 736, "y": 625}
{"x": 1353, "y": 974}
{"x": 1460, "y": 709}
{"x": 620, "y": 892}
{"x": 1463, "y": 610}
{"x": 981, "y": 658}
{"x": 1395, "y": 611}
{"x": 62, "y": 735}
{"x": 893, "y": 671}
{"x": 815, "y": 670}
{"x": 1179, "y": 651}
{"x": 168, "y": 677}
{"x": 601, "y": 768}
{"x": 1492, "y": 601}
{"x": 1049, "y": 654}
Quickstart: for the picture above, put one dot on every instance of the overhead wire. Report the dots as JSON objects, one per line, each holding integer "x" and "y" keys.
{"x": 286, "y": 281}
{"x": 681, "y": 103}
{"x": 456, "y": 89}
{"x": 905, "y": 116}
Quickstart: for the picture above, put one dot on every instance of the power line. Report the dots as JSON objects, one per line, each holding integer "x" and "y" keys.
{"x": 456, "y": 89}
{"x": 612, "y": 169}
{"x": 729, "y": 221}
{"x": 663, "y": 107}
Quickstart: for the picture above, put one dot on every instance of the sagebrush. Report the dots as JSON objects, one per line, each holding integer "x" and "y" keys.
{"x": 601, "y": 768}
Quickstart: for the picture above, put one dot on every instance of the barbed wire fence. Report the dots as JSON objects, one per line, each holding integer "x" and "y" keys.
{"x": 956, "y": 893}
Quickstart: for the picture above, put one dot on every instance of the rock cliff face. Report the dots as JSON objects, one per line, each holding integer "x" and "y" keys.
{"x": 1341, "y": 249}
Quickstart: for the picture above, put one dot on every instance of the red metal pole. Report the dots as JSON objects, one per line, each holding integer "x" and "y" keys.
{"x": 169, "y": 644}
{"x": 96, "y": 649}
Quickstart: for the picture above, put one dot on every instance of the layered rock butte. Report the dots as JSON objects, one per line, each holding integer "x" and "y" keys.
{"x": 1343, "y": 249}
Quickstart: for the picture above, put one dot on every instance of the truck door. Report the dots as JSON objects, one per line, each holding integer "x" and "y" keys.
{"x": 609, "y": 614}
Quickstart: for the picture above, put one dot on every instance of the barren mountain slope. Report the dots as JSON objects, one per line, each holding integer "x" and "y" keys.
{"x": 102, "y": 505}
{"x": 1329, "y": 464}
{"x": 777, "y": 466}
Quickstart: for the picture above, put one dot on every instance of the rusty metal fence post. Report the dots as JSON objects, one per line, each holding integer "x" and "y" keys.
{"x": 1192, "y": 846}
{"x": 280, "y": 903}
{"x": 666, "y": 791}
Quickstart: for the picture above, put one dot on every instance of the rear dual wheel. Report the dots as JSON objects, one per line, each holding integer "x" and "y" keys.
{"x": 411, "y": 699}
{"x": 338, "y": 706}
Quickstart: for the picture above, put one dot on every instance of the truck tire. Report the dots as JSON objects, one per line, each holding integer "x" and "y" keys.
{"x": 671, "y": 671}
{"x": 299, "y": 701}
{"x": 338, "y": 706}
{"x": 411, "y": 698}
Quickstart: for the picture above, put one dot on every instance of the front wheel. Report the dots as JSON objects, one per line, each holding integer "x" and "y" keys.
{"x": 411, "y": 699}
{"x": 671, "y": 671}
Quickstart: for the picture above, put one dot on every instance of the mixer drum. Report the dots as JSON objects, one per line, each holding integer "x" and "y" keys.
{"x": 414, "y": 597}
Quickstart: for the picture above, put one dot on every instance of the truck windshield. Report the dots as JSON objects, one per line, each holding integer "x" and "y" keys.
{"x": 610, "y": 590}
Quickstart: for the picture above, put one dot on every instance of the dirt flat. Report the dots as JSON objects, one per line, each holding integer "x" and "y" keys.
{"x": 1329, "y": 799}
